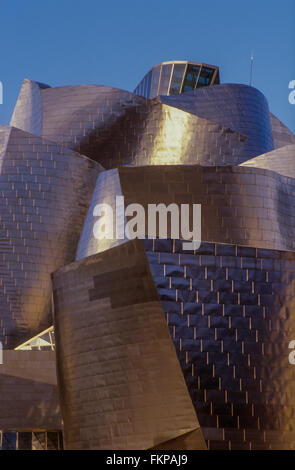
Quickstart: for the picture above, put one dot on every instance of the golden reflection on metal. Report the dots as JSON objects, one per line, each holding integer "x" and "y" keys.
{"x": 174, "y": 134}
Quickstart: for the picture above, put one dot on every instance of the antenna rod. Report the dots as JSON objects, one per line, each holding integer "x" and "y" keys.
{"x": 251, "y": 71}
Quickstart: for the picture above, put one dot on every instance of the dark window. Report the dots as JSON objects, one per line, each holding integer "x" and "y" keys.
{"x": 191, "y": 76}
{"x": 24, "y": 441}
{"x": 52, "y": 441}
{"x": 149, "y": 83}
{"x": 177, "y": 78}
{"x": 205, "y": 76}
{"x": 9, "y": 441}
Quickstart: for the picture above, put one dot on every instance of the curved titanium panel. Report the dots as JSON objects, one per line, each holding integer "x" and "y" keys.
{"x": 241, "y": 108}
{"x": 28, "y": 111}
{"x": 281, "y": 160}
{"x": 116, "y": 128}
{"x": 77, "y": 116}
{"x": 45, "y": 193}
{"x": 107, "y": 188}
{"x": 121, "y": 384}
{"x": 248, "y": 206}
{"x": 230, "y": 311}
{"x": 158, "y": 134}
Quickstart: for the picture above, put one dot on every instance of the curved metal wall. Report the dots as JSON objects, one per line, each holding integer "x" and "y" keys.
{"x": 107, "y": 188}
{"x": 242, "y": 108}
{"x": 116, "y": 127}
{"x": 45, "y": 192}
{"x": 28, "y": 111}
{"x": 247, "y": 206}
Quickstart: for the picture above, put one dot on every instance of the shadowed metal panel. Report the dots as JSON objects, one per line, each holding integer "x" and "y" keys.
{"x": 29, "y": 398}
{"x": 230, "y": 311}
{"x": 121, "y": 385}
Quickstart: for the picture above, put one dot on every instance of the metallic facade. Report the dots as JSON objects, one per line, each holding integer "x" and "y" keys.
{"x": 156, "y": 347}
{"x": 121, "y": 383}
{"x": 242, "y": 108}
{"x": 115, "y": 127}
{"x": 230, "y": 312}
{"x": 45, "y": 192}
{"x": 240, "y": 205}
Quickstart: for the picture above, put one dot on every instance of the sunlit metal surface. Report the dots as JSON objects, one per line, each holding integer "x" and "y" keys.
{"x": 242, "y": 108}
{"x": 281, "y": 160}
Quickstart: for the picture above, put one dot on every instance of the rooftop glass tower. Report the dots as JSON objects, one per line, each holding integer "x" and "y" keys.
{"x": 173, "y": 78}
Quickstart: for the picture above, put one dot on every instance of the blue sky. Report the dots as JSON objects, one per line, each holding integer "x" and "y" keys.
{"x": 64, "y": 42}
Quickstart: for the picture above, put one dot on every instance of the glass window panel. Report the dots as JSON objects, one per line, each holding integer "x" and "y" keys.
{"x": 149, "y": 84}
{"x": 165, "y": 79}
{"x": 52, "y": 441}
{"x": 9, "y": 441}
{"x": 191, "y": 77}
{"x": 155, "y": 81}
{"x": 38, "y": 441}
{"x": 144, "y": 86}
{"x": 177, "y": 78}
{"x": 140, "y": 88}
{"x": 205, "y": 76}
{"x": 24, "y": 441}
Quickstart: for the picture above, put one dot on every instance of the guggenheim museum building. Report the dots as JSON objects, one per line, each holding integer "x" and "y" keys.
{"x": 137, "y": 343}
